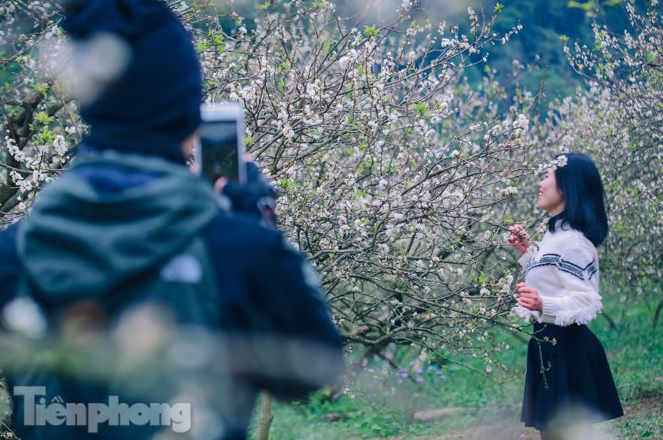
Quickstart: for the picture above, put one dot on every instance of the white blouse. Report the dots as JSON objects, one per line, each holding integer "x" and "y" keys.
{"x": 564, "y": 268}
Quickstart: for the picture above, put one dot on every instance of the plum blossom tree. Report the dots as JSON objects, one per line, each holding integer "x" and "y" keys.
{"x": 399, "y": 175}
{"x": 394, "y": 168}
{"x": 38, "y": 121}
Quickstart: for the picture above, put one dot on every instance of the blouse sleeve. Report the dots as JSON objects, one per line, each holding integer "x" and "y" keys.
{"x": 527, "y": 314}
{"x": 579, "y": 302}
{"x": 521, "y": 311}
{"x": 525, "y": 259}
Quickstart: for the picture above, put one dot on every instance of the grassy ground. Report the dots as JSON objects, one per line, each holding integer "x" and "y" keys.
{"x": 381, "y": 404}
{"x": 380, "y": 407}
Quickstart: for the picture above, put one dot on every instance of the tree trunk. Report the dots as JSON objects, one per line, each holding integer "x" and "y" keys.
{"x": 657, "y": 314}
{"x": 266, "y": 417}
{"x": 613, "y": 326}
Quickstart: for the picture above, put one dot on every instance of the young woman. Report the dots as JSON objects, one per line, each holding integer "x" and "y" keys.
{"x": 568, "y": 384}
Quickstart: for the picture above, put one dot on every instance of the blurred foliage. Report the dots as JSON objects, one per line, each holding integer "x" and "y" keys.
{"x": 547, "y": 27}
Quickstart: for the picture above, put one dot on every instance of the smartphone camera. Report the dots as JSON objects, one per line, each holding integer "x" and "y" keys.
{"x": 220, "y": 148}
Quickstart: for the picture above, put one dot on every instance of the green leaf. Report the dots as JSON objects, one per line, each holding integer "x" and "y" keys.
{"x": 420, "y": 107}
{"x": 328, "y": 45}
{"x": 286, "y": 183}
{"x": 264, "y": 6}
{"x": 41, "y": 88}
{"x": 280, "y": 86}
{"x": 45, "y": 136}
{"x": 587, "y": 6}
{"x": 43, "y": 118}
{"x": 371, "y": 31}
{"x": 285, "y": 66}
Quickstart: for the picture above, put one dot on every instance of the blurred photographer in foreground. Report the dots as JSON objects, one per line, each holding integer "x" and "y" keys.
{"x": 142, "y": 295}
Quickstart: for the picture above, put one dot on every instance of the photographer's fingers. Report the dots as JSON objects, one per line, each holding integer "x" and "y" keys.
{"x": 220, "y": 183}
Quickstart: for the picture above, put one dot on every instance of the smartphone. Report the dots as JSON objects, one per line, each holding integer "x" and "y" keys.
{"x": 220, "y": 147}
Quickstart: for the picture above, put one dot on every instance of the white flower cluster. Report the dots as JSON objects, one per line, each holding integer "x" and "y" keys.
{"x": 388, "y": 182}
{"x": 520, "y": 125}
{"x": 406, "y": 5}
{"x": 509, "y": 190}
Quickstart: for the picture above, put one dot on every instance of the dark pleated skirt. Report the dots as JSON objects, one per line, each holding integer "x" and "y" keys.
{"x": 568, "y": 379}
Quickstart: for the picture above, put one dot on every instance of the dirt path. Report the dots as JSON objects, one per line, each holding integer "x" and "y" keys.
{"x": 496, "y": 431}
{"x": 646, "y": 409}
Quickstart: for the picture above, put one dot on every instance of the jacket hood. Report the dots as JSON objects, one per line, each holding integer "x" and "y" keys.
{"x": 108, "y": 220}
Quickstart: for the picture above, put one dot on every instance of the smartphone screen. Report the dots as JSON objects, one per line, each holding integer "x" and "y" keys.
{"x": 219, "y": 150}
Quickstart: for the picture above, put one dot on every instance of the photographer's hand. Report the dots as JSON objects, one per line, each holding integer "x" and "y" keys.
{"x": 256, "y": 198}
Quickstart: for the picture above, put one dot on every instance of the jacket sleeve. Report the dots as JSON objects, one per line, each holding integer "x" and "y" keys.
{"x": 9, "y": 265}
{"x": 579, "y": 302}
{"x": 309, "y": 353}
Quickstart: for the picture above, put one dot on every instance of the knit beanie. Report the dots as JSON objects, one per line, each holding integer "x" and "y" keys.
{"x": 153, "y": 103}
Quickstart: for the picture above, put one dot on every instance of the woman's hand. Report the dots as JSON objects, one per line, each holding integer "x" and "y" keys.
{"x": 529, "y": 297}
{"x": 519, "y": 238}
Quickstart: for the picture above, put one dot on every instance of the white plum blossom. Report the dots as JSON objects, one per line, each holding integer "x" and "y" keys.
{"x": 396, "y": 172}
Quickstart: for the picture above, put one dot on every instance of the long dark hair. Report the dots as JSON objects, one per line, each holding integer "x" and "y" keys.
{"x": 584, "y": 207}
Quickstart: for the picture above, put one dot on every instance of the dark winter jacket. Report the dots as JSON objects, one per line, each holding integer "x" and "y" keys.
{"x": 117, "y": 221}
